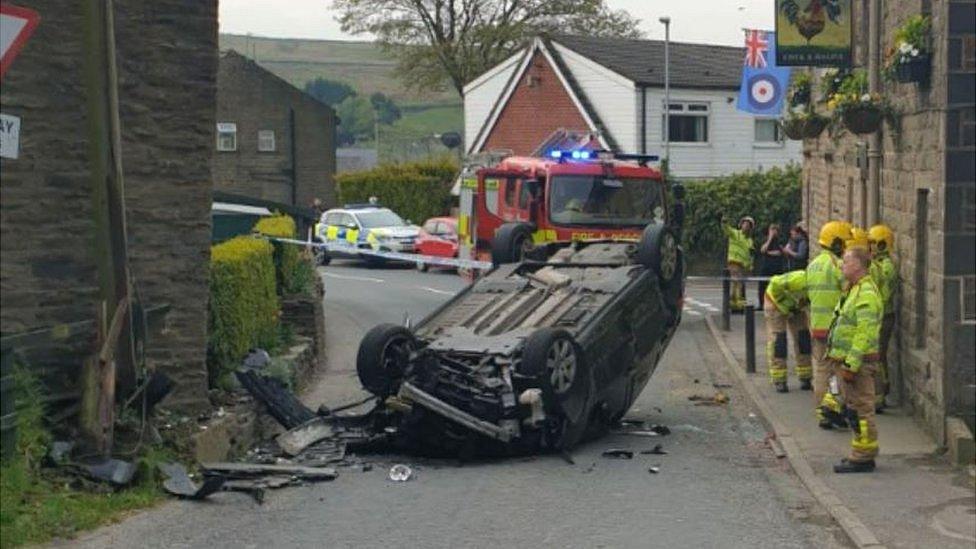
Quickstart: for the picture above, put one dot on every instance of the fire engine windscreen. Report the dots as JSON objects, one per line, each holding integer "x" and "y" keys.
{"x": 598, "y": 200}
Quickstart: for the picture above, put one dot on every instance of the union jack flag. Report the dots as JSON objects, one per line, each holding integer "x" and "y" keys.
{"x": 757, "y": 46}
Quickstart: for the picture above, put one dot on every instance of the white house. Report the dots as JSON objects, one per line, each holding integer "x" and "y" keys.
{"x": 614, "y": 88}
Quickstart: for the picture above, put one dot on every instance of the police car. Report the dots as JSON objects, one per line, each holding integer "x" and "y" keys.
{"x": 364, "y": 226}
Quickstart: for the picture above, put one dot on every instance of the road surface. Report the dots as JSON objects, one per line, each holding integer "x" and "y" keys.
{"x": 718, "y": 486}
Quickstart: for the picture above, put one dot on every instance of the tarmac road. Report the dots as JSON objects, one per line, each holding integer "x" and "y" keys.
{"x": 718, "y": 486}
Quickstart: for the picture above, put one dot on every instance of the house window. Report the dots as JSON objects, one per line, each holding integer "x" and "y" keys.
{"x": 226, "y": 136}
{"x": 688, "y": 122}
{"x": 768, "y": 131}
{"x": 266, "y": 141}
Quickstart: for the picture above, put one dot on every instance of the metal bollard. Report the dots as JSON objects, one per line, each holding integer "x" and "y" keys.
{"x": 726, "y": 296}
{"x": 750, "y": 339}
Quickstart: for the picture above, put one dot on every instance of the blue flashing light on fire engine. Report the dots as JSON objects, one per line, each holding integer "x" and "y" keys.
{"x": 575, "y": 155}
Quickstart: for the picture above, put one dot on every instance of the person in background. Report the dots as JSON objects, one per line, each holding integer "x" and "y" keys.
{"x": 881, "y": 240}
{"x": 797, "y": 250}
{"x": 773, "y": 259}
{"x": 739, "y": 258}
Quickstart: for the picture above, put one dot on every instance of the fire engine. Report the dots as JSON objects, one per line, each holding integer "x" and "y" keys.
{"x": 513, "y": 209}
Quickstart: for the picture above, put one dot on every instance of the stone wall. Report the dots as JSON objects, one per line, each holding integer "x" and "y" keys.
{"x": 167, "y": 57}
{"x": 255, "y": 99}
{"x": 915, "y": 202}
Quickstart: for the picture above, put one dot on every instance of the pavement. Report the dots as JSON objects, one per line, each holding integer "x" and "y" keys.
{"x": 719, "y": 485}
{"x": 915, "y": 498}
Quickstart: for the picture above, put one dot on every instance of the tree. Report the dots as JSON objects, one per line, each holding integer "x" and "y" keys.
{"x": 329, "y": 92}
{"x": 386, "y": 110}
{"x": 438, "y": 41}
{"x": 355, "y": 119}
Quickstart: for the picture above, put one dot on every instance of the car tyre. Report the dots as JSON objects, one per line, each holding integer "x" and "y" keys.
{"x": 658, "y": 250}
{"x": 511, "y": 244}
{"x": 422, "y": 267}
{"x": 321, "y": 255}
{"x": 383, "y": 357}
{"x": 555, "y": 359}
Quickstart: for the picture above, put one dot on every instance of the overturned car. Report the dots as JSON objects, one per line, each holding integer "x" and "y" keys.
{"x": 536, "y": 355}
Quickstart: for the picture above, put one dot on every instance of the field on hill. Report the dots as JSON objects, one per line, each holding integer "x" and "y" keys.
{"x": 365, "y": 67}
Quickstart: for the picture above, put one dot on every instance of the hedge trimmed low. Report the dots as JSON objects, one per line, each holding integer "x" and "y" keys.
{"x": 417, "y": 190}
{"x": 244, "y": 307}
{"x": 294, "y": 273}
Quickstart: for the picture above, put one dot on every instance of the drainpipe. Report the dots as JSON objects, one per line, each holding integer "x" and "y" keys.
{"x": 294, "y": 162}
{"x": 643, "y": 115}
{"x": 874, "y": 86}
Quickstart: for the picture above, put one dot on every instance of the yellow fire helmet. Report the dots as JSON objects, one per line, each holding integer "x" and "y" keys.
{"x": 834, "y": 235}
{"x": 859, "y": 238}
{"x": 881, "y": 238}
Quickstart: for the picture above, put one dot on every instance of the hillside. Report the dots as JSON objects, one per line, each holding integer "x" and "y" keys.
{"x": 365, "y": 67}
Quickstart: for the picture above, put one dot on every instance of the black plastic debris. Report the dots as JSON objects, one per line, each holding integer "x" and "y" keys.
{"x": 617, "y": 453}
{"x": 178, "y": 482}
{"x": 113, "y": 471}
{"x": 256, "y": 359}
{"x": 256, "y": 470}
{"x": 657, "y": 450}
{"x": 294, "y": 441}
{"x": 283, "y": 406}
{"x": 661, "y": 429}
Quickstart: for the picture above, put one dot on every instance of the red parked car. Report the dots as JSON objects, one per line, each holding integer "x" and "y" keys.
{"x": 438, "y": 237}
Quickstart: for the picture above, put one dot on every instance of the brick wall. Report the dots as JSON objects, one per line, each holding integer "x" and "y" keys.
{"x": 538, "y": 97}
{"x": 916, "y": 166}
{"x": 167, "y": 73}
{"x": 255, "y": 99}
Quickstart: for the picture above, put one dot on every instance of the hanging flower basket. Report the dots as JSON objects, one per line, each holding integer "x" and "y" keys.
{"x": 804, "y": 127}
{"x": 794, "y": 127}
{"x": 815, "y": 126}
{"x": 862, "y": 119}
{"x": 915, "y": 69}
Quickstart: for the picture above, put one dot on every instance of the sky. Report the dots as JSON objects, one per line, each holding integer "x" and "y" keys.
{"x": 699, "y": 21}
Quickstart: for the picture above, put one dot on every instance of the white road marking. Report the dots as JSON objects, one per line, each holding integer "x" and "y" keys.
{"x": 692, "y": 312}
{"x": 435, "y": 290}
{"x": 362, "y": 278}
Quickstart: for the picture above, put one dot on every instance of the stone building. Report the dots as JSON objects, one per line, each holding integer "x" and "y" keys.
{"x": 928, "y": 197}
{"x": 273, "y": 141}
{"x": 167, "y": 68}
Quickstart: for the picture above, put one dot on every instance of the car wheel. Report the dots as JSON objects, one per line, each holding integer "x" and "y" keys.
{"x": 511, "y": 244}
{"x": 321, "y": 255}
{"x": 658, "y": 250}
{"x": 554, "y": 358}
{"x": 383, "y": 357}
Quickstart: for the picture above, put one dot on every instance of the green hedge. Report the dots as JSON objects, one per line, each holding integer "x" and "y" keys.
{"x": 244, "y": 306}
{"x": 416, "y": 190}
{"x": 771, "y": 196}
{"x": 293, "y": 271}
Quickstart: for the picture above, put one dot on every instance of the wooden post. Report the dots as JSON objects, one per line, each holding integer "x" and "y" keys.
{"x": 108, "y": 209}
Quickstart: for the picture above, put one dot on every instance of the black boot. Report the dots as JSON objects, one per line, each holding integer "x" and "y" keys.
{"x": 848, "y": 466}
{"x": 805, "y": 385}
{"x": 781, "y": 387}
{"x": 825, "y": 424}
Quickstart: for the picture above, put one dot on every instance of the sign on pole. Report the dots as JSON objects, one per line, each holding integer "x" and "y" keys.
{"x": 814, "y": 33}
{"x": 16, "y": 26}
{"x": 9, "y": 136}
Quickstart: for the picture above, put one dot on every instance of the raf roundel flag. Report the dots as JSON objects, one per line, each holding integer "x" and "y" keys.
{"x": 763, "y": 83}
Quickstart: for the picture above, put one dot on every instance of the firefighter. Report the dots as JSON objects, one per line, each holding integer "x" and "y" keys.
{"x": 740, "y": 259}
{"x": 785, "y": 309}
{"x": 859, "y": 239}
{"x": 852, "y": 349}
{"x": 824, "y": 287}
{"x": 881, "y": 240}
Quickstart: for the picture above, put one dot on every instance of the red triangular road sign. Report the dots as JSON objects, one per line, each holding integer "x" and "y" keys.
{"x": 16, "y": 26}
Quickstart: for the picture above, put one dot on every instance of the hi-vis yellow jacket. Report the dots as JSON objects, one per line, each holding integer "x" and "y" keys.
{"x": 854, "y": 336}
{"x": 740, "y": 247}
{"x": 788, "y": 291}
{"x": 824, "y": 288}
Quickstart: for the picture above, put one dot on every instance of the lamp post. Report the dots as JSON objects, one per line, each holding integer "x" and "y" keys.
{"x": 667, "y": 89}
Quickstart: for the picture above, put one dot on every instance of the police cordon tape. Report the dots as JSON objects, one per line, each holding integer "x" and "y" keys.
{"x": 396, "y": 256}
{"x": 732, "y": 278}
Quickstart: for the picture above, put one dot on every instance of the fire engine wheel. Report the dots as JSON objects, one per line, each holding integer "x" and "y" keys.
{"x": 384, "y": 354}
{"x": 658, "y": 250}
{"x": 511, "y": 244}
{"x": 553, "y": 357}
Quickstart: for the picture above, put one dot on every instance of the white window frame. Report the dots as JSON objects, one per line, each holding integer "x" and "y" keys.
{"x": 264, "y": 137}
{"x": 226, "y": 129}
{"x": 682, "y": 107}
{"x": 778, "y": 132}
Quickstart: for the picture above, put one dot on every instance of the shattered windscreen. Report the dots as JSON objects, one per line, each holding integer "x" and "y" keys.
{"x": 599, "y": 200}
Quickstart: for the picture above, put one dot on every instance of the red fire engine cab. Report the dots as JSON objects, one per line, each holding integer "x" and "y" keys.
{"x": 517, "y": 206}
